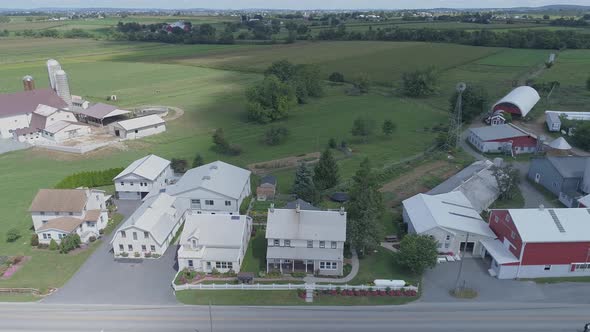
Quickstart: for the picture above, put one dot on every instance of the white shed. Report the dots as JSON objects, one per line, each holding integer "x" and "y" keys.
{"x": 63, "y": 130}
{"x": 138, "y": 127}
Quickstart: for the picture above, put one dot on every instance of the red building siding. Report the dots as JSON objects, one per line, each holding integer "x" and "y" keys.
{"x": 504, "y": 228}
{"x": 521, "y": 141}
{"x": 508, "y": 107}
{"x": 555, "y": 253}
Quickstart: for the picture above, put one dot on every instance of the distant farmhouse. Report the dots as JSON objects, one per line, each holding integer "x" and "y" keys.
{"x": 60, "y": 212}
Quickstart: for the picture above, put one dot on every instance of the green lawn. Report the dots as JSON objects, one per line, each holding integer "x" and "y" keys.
{"x": 516, "y": 202}
{"x": 255, "y": 258}
{"x": 381, "y": 265}
{"x": 18, "y": 298}
{"x": 560, "y": 279}
{"x": 277, "y": 298}
{"x": 114, "y": 223}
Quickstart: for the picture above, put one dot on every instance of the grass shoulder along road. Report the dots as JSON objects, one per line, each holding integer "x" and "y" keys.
{"x": 560, "y": 280}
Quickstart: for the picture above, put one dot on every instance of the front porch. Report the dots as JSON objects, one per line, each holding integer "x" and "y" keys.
{"x": 289, "y": 265}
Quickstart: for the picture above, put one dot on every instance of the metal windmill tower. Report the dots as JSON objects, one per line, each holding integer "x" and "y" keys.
{"x": 454, "y": 136}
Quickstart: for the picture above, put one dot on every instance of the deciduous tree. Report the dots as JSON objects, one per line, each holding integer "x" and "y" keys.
{"x": 417, "y": 252}
{"x": 508, "y": 178}
{"x": 420, "y": 83}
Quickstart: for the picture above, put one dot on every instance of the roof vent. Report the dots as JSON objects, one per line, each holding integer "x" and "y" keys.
{"x": 213, "y": 167}
{"x": 556, "y": 221}
{"x": 297, "y": 207}
{"x": 342, "y": 210}
{"x": 542, "y": 207}
{"x": 206, "y": 177}
{"x": 272, "y": 207}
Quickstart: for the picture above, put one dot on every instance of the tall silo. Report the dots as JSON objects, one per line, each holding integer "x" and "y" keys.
{"x": 28, "y": 83}
{"x": 62, "y": 87}
{"x": 52, "y": 67}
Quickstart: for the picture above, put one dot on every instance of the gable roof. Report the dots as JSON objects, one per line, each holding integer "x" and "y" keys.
{"x": 523, "y": 97}
{"x": 66, "y": 224}
{"x": 450, "y": 211}
{"x": 569, "y": 166}
{"x": 59, "y": 200}
{"x": 27, "y": 101}
{"x": 141, "y": 122}
{"x": 306, "y": 225}
{"x": 219, "y": 177}
{"x": 215, "y": 230}
{"x": 102, "y": 111}
{"x": 269, "y": 179}
{"x": 148, "y": 167}
{"x": 560, "y": 144}
{"x": 538, "y": 225}
{"x": 61, "y": 125}
{"x": 157, "y": 215}
{"x": 45, "y": 110}
{"x": 303, "y": 205}
{"x": 503, "y": 131}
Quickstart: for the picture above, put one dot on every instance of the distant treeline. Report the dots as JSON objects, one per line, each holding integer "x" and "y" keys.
{"x": 89, "y": 179}
{"x": 200, "y": 34}
{"x": 538, "y": 39}
{"x": 52, "y": 33}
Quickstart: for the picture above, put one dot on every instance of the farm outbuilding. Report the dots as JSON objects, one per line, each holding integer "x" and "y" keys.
{"x": 101, "y": 114}
{"x": 63, "y": 130}
{"x": 553, "y": 118}
{"x": 138, "y": 127}
{"x": 506, "y": 138}
{"x": 519, "y": 101}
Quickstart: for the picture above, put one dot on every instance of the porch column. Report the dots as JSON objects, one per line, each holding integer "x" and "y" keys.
{"x": 267, "y": 266}
{"x": 293, "y": 266}
{"x": 305, "y": 261}
{"x": 281, "y": 265}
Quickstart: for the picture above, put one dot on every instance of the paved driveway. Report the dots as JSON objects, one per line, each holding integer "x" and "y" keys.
{"x": 439, "y": 281}
{"x": 102, "y": 280}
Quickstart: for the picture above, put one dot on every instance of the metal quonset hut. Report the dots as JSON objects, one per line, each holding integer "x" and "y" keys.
{"x": 519, "y": 101}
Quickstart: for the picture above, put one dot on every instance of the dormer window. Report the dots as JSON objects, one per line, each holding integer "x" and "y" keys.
{"x": 194, "y": 243}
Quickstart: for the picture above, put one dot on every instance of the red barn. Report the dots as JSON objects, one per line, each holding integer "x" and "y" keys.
{"x": 537, "y": 243}
{"x": 519, "y": 101}
{"x": 506, "y": 138}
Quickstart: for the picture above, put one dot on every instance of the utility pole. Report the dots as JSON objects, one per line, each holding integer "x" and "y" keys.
{"x": 461, "y": 263}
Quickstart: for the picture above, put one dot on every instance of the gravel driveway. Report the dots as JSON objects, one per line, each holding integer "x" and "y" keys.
{"x": 102, "y": 280}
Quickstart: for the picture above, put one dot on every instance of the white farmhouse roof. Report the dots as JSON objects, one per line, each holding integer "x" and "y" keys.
{"x": 157, "y": 215}
{"x": 45, "y": 110}
{"x": 218, "y": 177}
{"x": 306, "y": 225}
{"x": 585, "y": 200}
{"x": 63, "y": 125}
{"x": 141, "y": 122}
{"x": 552, "y": 225}
{"x": 503, "y": 131}
{"x": 451, "y": 211}
{"x": 560, "y": 144}
{"x": 500, "y": 253}
{"x": 523, "y": 97}
{"x": 148, "y": 167}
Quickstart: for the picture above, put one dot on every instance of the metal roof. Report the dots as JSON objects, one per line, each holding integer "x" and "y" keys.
{"x": 569, "y": 166}
{"x": 495, "y": 248}
{"x": 450, "y": 211}
{"x": 306, "y": 225}
{"x": 490, "y": 133}
{"x": 141, "y": 122}
{"x": 303, "y": 205}
{"x": 218, "y": 177}
{"x": 27, "y": 101}
{"x": 61, "y": 125}
{"x": 538, "y": 225}
{"x": 102, "y": 111}
{"x": 560, "y": 144}
{"x": 523, "y": 97}
{"x": 148, "y": 167}
{"x": 270, "y": 179}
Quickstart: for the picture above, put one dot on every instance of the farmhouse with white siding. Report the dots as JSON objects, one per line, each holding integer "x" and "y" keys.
{"x": 138, "y": 127}
{"x": 142, "y": 176}
{"x": 59, "y": 212}
{"x": 214, "y": 242}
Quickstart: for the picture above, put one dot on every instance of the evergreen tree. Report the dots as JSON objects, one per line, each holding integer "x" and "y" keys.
{"x": 325, "y": 173}
{"x": 388, "y": 127}
{"x": 364, "y": 209}
{"x": 303, "y": 186}
{"x": 198, "y": 161}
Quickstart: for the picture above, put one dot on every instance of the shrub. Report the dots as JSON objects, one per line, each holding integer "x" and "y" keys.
{"x": 101, "y": 231}
{"x": 69, "y": 243}
{"x": 42, "y": 246}
{"x": 12, "y": 235}
{"x": 136, "y": 254}
{"x": 276, "y": 135}
{"x": 332, "y": 143}
{"x": 298, "y": 274}
{"x": 147, "y": 255}
{"x": 156, "y": 255}
{"x": 92, "y": 238}
{"x": 336, "y": 77}
{"x": 53, "y": 245}
{"x": 215, "y": 272}
{"x": 34, "y": 240}
{"x": 179, "y": 165}
{"x": 124, "y": 254}
{"x": 89, "y": 179}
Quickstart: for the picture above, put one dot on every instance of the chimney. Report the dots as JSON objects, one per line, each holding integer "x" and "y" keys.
{"x": 342, "y": 210}
{"x": 298, "y": 207}
{"x": 541, "y": 207}
{"x": 272, "y": 207}
{"x": 28, "y": 83}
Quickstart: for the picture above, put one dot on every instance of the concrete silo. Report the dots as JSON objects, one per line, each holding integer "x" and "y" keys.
{"x": 28, "y": 83}
{"x": 52, "y": 67}
{"x": 62, "y": 87}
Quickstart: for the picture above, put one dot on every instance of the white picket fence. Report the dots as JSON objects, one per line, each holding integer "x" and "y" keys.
{"x": 284, "y": 287}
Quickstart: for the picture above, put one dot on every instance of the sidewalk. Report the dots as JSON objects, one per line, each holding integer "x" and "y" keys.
{"x": 355, "y": 270}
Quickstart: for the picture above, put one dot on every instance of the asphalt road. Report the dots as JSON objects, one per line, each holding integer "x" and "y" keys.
{"x": 414, "y": 317}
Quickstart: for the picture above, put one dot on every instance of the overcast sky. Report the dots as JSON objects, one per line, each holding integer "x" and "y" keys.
{"x": 284, "y": 4}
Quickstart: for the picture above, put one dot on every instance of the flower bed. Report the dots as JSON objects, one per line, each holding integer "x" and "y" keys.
{"x": 10, "y": 265}
{"x": 356, "y": 292}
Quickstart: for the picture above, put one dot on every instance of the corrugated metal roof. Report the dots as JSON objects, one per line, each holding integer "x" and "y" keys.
{"x": 537, "y": 225}
{"x": 148, "y": 167}
{"x": 102, "y": 111}
{"x": 524, "y": 97}
{"x": 215, "y": 230}
{"x": 569, "y": 166}
{"x": 490, "y": 133}
{"x": 141, "y": 122}
{"x": 306, "y": 225}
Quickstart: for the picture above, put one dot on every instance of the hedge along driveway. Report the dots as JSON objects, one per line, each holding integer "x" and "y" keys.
{"x": 102, "y": 280}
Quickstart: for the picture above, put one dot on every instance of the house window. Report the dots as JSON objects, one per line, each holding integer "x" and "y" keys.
{"x": 554, "y": 184}
{"x": 448, "y": 237}
{"x": 57, "y": 213}
{"x": 223, "y": 265}
{"x": 333, "y": 245}
{"x": 194, "y": 243}
{"x": 143, "y": 248}
{"x": 447, "y": 245}
{"x": 328, "y": 265}
{"x": 439, "y": 245}
{"x": 136, "y": 131}
{"x": 322, "y": 244}
{"x": 512, "y": 234}
{"x": 208, "y": 202}
{"x": 310, "y": 244}
{"x": 496, "y": 219}
{"x": 195, "y": 203}
{"x": 146, "y": 235}
{"x": 89, "y": 224}
{"x": 507, "y": 218}
{"x": 547, "y": 268}
{"x": 42, "y": 213}
{"x": 44, "y": 222}
{"x": 122, "y": 183}
{"x": 227, "y": 203}
{"x": 131, "y": 183}
{"x": 123, "y": 235}
{"x": 277, "y": 242}
{"x": 130, "y": 247}
{"x": 134, "y": 235}
{"x": 152, "y": 248}
{"x": 121, "y": 247}
{"x": 71, "y": 213}
{"x": 190, "y": 263}
{"x": 287, "y": 243}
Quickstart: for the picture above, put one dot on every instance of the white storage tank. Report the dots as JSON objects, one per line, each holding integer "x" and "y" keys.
{"x": 389, "y": 283}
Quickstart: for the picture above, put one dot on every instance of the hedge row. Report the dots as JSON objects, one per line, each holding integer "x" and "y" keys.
{"x": 89, "y": 179}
